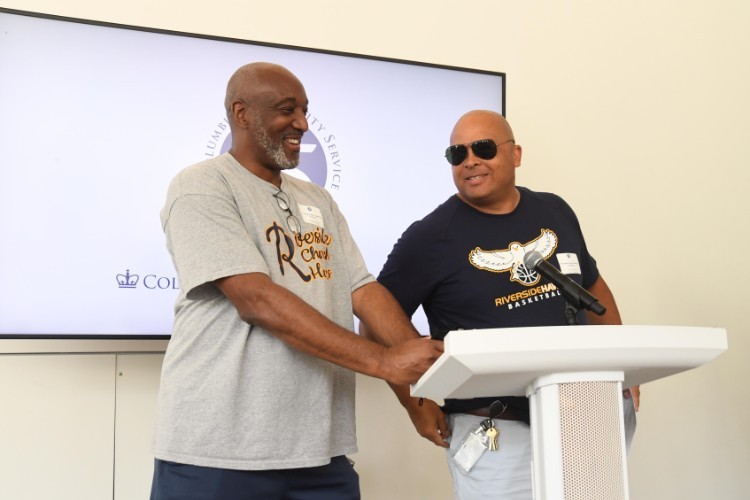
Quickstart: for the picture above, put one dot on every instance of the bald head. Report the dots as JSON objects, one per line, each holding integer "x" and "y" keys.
{"x": 251, "y": 80}
{"x": 481, "y": 119}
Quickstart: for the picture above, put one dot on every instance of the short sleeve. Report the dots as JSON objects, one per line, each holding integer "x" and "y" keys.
{"x": 207, "y": 238}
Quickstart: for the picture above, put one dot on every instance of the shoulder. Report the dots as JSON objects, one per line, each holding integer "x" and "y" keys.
{"x": 542, "y": 199}
{"x": 540, "y": 196}
{"x": 302, "y": 186}
{"x": 202, "y": 178}
{"x": 429, "y": 232}
{"x": 438, "y": 220}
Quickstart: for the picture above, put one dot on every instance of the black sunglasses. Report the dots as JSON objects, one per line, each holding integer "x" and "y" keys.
{"x": 485, "y": 149}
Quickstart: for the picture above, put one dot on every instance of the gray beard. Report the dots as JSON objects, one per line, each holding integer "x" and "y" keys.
{"x": 274, "y": 150}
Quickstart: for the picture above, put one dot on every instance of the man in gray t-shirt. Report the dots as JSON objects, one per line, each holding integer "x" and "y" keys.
{"x": 257, "y": 388}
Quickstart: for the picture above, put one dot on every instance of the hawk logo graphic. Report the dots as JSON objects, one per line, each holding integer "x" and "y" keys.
{"x": 501, "y": 261}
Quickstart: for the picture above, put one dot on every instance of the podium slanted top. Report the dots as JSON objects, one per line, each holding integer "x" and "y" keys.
{"x": 504, "y": 361}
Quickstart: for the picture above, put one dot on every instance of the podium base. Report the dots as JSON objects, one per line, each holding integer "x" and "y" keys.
{"x": 578, "y": 437}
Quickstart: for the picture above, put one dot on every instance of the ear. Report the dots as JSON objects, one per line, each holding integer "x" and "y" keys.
{"x": 517, "y": 153}
{"x": 239, "y": 114}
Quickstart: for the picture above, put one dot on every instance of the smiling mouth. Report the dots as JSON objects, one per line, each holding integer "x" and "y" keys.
{"x": 475, "y": 177}
{"x": 293, "y": 142}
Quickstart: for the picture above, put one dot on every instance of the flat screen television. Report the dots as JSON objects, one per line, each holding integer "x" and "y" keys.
{"x": 96, "y": 119}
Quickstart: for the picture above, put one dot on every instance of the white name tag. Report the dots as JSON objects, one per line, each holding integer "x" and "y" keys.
{"x": 569, "y": 263}
{"x": 312, "y": 215}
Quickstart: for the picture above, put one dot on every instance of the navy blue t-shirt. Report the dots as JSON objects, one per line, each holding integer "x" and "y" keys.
{"x": 465, "y": 268}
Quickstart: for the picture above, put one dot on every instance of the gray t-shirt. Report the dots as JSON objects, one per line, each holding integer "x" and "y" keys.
{"x": 233, "y": 395}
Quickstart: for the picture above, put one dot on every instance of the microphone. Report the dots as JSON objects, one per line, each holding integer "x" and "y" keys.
{"x": 575, "y": 293}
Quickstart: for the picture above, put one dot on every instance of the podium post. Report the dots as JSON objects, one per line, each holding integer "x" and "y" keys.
{"x": 578, "y": 436}
{"x": 573, "y": 377}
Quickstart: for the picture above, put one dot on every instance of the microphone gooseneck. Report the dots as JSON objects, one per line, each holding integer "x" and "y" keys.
{"x": 575, "y": 294}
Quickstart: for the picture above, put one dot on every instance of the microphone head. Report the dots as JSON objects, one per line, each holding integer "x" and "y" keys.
{"x": 531, "y": 259}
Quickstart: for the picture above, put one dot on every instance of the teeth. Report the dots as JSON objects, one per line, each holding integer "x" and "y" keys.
{"x": 294, "y": 141}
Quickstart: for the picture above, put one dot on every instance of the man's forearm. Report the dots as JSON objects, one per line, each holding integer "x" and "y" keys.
{"x": 382, "y": 315}
{"x": 261, "y": 302}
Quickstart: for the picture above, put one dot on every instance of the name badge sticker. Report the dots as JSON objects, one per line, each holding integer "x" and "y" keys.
{"x": 569, "y": 263}
{"x": 312, "y": 215}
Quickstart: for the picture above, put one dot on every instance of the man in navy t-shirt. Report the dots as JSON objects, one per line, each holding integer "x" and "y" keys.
{"x": 463, "y": 263}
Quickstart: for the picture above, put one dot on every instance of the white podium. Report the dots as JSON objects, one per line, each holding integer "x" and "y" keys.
{"x": 573, "y": 377}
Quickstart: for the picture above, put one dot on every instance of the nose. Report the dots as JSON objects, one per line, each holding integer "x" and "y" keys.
{"x": 300, "y": 120}
{"x": 471, "y": 160}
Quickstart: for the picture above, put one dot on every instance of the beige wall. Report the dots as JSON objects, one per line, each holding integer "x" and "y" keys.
{"x": 637, "y": 113}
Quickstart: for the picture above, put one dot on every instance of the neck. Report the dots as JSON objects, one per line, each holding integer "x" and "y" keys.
{"x": 504, "y": 205}
{"x": 258, "y": 170}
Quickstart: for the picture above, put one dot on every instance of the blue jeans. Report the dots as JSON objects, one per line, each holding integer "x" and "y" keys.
{"x": 335, "y": 481}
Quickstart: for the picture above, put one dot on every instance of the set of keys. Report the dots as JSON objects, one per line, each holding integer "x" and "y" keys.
{"x": 496, "y": 408}
{"x": 483, "y": 438}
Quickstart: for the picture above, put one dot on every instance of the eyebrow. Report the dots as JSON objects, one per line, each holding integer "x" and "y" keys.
{"x": 289, "y": 100}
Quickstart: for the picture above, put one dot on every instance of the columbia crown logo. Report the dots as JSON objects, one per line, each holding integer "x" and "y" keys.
{"x": 127, "y": 280}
